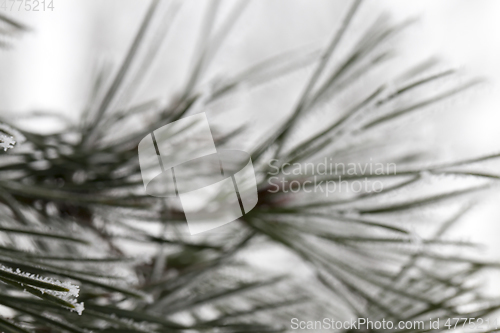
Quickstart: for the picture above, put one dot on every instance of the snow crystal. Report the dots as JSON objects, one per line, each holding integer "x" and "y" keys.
{"x": 7, "y": 142}
{"x": 7, "y": 135}
{"x": 68, "y": 296}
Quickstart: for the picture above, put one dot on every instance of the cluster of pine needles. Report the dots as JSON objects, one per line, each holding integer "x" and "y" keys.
{"x": 83, "y": 248}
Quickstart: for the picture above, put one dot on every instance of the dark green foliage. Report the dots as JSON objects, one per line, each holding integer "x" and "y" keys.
{"x": 72, "y": 205}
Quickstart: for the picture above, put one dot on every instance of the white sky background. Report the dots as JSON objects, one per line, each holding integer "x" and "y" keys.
{"x": 51, "y": 67}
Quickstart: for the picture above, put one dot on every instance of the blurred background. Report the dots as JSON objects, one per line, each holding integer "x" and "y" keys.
{"x": 52, "y": 67}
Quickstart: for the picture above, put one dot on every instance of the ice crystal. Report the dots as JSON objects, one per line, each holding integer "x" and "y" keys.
{"x": 6, "y": 142}
{"x": 9, "y": 137}
{"x": 69, "y": 296}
